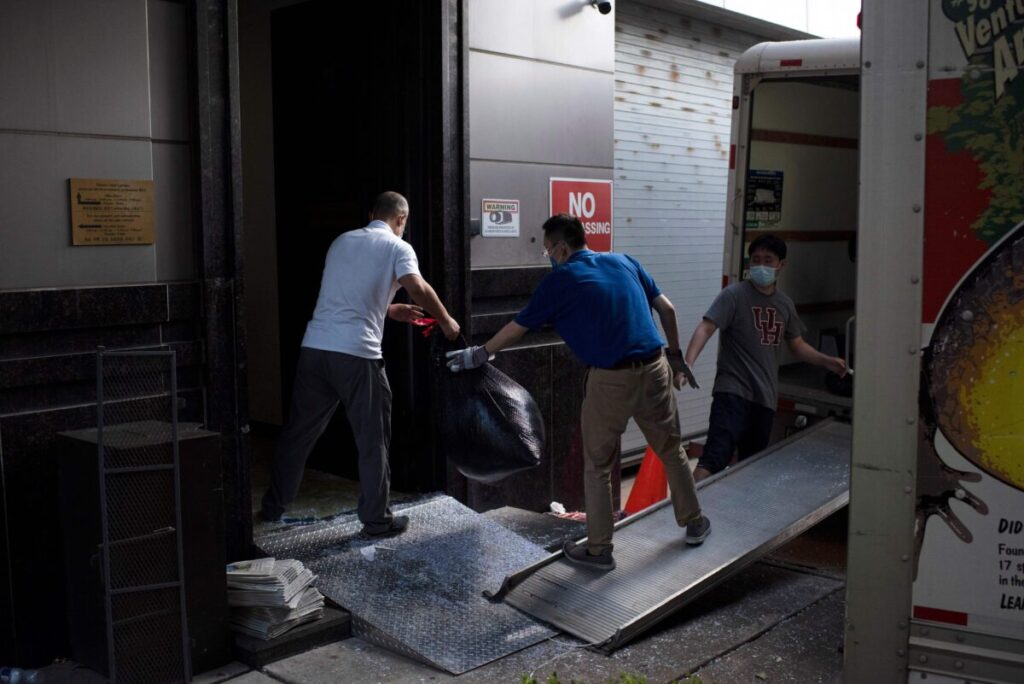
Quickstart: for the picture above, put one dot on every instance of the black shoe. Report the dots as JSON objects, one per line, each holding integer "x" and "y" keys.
{"x": 268, "y": 518}
{"x": 579, "y": 555}
{"x": 396, "y": 527}
{"x": 697, "y": 530}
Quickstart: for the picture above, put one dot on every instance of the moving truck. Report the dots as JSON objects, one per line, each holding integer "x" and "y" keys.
{"x": 894, "y": 168}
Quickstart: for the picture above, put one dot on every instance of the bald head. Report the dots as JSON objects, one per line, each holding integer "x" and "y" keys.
{"x": 389, "y": 206}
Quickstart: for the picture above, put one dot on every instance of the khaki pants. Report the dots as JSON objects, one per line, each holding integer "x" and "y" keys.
{"x": 644, "y": 393}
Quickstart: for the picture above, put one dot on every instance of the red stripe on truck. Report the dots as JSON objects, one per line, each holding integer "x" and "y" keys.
{"x": 791, "y": 62}
{"x": 732, "y": 157}
{"x": 939, "y": 615}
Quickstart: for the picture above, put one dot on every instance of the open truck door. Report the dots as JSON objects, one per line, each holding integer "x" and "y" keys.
{"x": 936, "y": 547}
{"x": 793, "y": 173}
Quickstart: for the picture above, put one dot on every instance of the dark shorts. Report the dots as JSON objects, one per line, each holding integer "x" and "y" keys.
{"x": 736, "y": 424}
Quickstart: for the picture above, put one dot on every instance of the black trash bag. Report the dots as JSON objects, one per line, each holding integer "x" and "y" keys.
{"x": 490, "y": 425}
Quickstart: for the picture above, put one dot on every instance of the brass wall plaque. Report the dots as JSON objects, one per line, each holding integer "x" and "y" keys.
{"x": 111, "y": 212}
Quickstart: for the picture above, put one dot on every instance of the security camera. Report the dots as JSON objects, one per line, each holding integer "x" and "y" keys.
{"x": 604, "y": 7}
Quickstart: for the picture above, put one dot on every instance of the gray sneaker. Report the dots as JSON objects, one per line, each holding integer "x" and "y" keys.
{"x": 697, "y": 530}
{"x": 578, "y": 555}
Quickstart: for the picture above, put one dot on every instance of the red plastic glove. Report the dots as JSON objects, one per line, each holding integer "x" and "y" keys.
{"x": 428, "y": 325}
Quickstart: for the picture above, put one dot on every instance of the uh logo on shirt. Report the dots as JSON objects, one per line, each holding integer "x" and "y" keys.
{"x": 769, "y": 324}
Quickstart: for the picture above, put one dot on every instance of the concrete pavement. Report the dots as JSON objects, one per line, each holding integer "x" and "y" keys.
{"x": 778, "y": 621}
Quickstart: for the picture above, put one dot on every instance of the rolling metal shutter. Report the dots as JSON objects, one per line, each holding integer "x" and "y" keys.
{"x": 673, "y": 105}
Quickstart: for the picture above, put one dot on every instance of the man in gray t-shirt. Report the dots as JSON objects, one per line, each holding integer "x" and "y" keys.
{"x": 754, "y": 318}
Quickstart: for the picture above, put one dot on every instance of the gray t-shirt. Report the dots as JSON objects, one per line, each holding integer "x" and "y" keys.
{"x": 751, "y": 328}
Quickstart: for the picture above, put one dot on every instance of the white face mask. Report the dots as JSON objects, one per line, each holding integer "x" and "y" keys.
{"x": 763, "y": 276}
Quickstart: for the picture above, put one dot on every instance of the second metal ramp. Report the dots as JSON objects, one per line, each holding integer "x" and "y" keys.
{"x": 418, "y": 594}
{"x": 754, "y": 508}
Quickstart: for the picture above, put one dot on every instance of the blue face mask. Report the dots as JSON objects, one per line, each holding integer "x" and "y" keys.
{"x": 763, "y": 276}
{"x": 548, "y": 254}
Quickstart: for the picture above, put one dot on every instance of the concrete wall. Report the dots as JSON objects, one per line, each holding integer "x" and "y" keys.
{"x": 541, "y": 84}
{"x": 93, "y": 89}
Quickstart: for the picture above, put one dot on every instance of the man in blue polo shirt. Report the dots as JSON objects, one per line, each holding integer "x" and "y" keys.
{"x": 601, "y": 306}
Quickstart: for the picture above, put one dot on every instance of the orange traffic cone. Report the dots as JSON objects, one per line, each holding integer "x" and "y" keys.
{"x": 651, "y": 485}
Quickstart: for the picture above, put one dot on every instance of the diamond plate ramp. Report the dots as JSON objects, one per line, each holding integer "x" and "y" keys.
{"x": 754, "y": 508}
{"x": 420, "y": 593}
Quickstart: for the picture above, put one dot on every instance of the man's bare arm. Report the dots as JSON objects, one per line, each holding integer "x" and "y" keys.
{"x": 474, "y": 357}
{"x": 423, "y": 294}
{"x": 667, "y": 316}
{"x": 701, "y": 334}
{"x": 405, "y": 313}
{"x": 506, "y": 337}
{"x": 806, "y": 352}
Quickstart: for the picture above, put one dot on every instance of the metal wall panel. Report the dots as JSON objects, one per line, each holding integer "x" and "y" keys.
{"x": 168, "y": 69}
{"x": 175, "y": 230}
{"x": 527, "y": 183}
{"x": 70, "y": 72}
{"x": 894, "y": 83}
{"x": 36, "y": 229}
{"x": 528, "y": 111}
{"x": 547, "y": 31}
{"x": 75, "y": 67}
{"x": 540, "y": 106}
{"x": 673, "y": 107}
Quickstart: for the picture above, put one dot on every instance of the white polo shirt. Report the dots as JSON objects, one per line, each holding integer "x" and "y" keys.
{"x": 360, "y": 279}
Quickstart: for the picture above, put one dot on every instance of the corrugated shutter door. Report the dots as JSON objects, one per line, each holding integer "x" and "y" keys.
{"x": 673, "y": 105}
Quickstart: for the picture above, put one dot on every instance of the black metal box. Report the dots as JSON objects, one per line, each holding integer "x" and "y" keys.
{"x": 203, "y": 543}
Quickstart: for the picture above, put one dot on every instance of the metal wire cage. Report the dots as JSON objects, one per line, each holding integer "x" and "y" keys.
{"x": 137, "y": 441}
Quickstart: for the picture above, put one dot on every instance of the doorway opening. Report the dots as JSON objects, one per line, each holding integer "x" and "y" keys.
{"x": 356, "y": 108}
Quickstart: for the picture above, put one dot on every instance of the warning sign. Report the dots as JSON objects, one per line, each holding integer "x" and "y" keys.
{"x": 591, "y": 202}
{"x": 111, "y": 212}
{"x": 764, "y": 198}
{"x": 499, "y": 217}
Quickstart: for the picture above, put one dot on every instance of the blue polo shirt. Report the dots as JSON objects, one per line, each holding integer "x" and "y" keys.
{"x": 601, "y": 306}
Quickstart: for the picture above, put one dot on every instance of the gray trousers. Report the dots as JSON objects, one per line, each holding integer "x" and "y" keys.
{"x": 322, "y": 380}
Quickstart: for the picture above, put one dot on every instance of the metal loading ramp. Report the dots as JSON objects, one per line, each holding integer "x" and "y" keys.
{"x": 419, "y": 594}
{"x": 754, "y": 508}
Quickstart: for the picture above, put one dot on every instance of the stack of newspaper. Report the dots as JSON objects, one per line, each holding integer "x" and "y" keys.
{"x": 268, "y": 596}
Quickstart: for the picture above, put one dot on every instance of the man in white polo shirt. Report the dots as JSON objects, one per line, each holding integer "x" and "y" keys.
{"x": 341, "y": 360}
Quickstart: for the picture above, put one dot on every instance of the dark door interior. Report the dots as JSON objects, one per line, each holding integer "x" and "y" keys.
{"x": 355, "y": 99}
